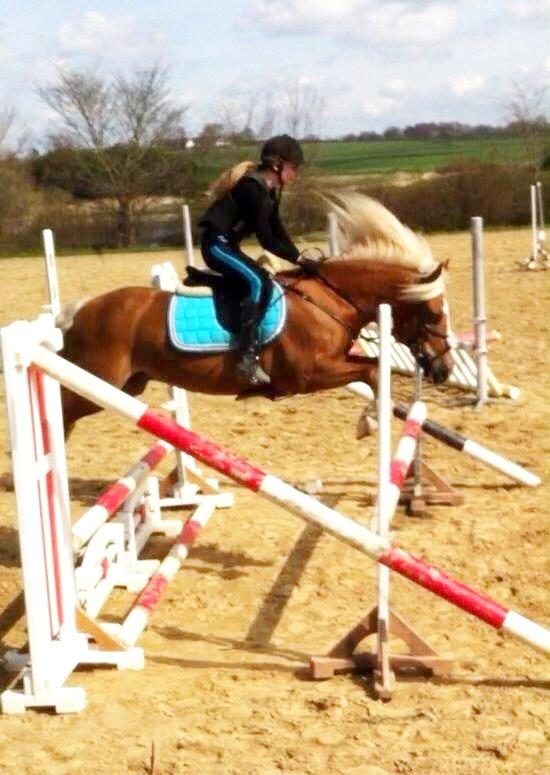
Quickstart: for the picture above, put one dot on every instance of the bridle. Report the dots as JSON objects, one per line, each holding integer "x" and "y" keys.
{"x": 425, "y": 328}
{"x": 363, "y": 314}
{"x": 422, "y": 357}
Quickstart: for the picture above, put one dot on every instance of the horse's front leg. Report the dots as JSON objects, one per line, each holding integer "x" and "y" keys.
{"x": 339, "y": 372}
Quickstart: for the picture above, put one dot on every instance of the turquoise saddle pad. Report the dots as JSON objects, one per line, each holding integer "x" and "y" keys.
{"x": 194, "y": 327}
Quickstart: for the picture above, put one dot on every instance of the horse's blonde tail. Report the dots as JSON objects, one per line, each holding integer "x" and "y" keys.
{"x": 65, "y": 318}
{"x": 229, "y": 178}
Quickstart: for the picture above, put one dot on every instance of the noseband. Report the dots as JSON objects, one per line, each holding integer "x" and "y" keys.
{"x": 426, "y": 357}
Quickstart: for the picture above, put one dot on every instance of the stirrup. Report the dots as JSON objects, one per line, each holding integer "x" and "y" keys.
{"x": 249, "y": 368}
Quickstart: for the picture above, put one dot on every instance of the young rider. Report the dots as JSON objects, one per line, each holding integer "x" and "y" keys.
{"x": 246, "y": 202}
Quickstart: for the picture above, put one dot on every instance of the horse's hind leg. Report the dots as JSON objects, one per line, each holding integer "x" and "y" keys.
{"x": 136, "y": 384}
{"x": 75, "y": 407}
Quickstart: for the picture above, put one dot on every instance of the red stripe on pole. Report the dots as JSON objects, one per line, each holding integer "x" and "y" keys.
{"x": 114, "y": 497}
{"x": 208, "y": 452}
{"x": 153, "y": 592}
{"x": 155, "y": 455}
{"x": 189, "y": 534}
{"x": 412, "y": 428}
{"x": 398, "y": 472}
{"x": 53, "y": 514}
{"x": 430, "y": 577}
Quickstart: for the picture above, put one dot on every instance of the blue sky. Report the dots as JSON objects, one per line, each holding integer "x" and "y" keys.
{"x": 374, "y": 62}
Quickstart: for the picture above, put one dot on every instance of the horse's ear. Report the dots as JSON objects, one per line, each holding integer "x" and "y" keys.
{"x": 434, "y": 275}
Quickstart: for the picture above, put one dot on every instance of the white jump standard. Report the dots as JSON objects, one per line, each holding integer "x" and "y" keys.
{"x": 62, "y": 600}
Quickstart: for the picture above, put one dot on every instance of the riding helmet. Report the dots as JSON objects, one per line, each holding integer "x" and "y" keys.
{"x": 282, "y": 147}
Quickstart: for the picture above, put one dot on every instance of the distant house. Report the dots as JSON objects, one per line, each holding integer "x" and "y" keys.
{"x": 221, "y": 142}
{"x": 189, "y": 143}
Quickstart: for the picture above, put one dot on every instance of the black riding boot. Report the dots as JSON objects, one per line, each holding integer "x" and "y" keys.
{"x": 249, "y": 365}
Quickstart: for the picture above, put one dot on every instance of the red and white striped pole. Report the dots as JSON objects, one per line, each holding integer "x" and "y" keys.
{"x": 148, "y": 600}
{"x": 456, "y": 441}
{"x": 404, "y": 455}
{"x": 114, "y": 496}
{"x": 301, "y": 504}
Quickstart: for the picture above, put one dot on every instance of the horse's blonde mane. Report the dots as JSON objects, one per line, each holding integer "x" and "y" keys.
{"x": 367, "y": 230}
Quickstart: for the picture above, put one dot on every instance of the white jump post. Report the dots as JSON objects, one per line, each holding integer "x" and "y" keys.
{"x": 188, "y": 237}
{"x": 539, "y": 258}
{"x": 383, "y": 676}
{"x": 540, "y": 209}
{"x": 534, "y": 225}
{"x": 54, "y": 305}
{"x": 480, "y": 319}
{"x": 274, "y": 489}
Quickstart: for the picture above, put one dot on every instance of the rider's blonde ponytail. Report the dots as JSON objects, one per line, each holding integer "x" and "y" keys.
{"x": 229, "y": 178}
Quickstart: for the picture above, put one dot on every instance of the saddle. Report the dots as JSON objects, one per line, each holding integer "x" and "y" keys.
{"x": 227, "y": 295}
{"x": 198, "y": 277}
{"x": 210, "y": 321}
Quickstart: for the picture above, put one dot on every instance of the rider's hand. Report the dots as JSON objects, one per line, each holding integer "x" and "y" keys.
{"x": 311, "y": 259}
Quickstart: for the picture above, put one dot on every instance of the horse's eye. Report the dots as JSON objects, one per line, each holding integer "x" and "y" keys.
{"x": 431, "y": 316}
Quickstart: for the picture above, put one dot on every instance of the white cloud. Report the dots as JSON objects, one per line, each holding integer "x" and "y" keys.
{"x": 378, "y": 106}
{"x": 360, "y": 21}
{"x": 5, "y": 52}
{"x": 531, "y": 9}
{"x": 395, "y": 86}
{"x": 465, "y": 84}
{"x": 115, "y": 37}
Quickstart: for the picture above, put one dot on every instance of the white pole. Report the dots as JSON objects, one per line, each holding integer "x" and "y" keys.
{"x": 417, "y": 396}
{"x": 534, "y": 245}
{"x": 384, "y": 457}
{"x": 188, "y": 236}
{"x": 54, "y": 305}
{"x": 540, "y": 207}
{"x": 480, "y": 320}
{"x": 333, "y": 248}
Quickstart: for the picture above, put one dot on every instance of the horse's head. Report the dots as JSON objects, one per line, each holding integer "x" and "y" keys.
{"x": 421, "y": 321}
{"x": 398, "y": 268}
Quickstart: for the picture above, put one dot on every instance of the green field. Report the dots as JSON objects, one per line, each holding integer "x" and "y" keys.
{"x": 385, "y": 156}
{"x": 378, "y": 156}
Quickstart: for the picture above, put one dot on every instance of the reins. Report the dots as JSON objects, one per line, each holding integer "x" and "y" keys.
{"x": 306, "y": 297}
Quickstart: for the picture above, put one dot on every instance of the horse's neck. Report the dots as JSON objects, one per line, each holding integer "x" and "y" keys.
{"x": 366, "y": 283}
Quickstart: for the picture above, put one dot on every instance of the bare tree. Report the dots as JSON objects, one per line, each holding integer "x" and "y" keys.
{"x": 527, "y": 114}
{"x": 238, "y": 115}
{"x": 259, "y": 111}
{"x": 303, "y": 106}
{"x": 7, "y": 121}
{"x": 120, "y": 122}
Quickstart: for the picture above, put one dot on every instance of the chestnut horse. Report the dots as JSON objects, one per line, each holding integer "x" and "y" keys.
{"x": 122, "y": 336}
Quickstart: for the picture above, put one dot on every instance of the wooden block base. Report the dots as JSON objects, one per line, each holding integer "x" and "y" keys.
{"x": 420, "y": 659}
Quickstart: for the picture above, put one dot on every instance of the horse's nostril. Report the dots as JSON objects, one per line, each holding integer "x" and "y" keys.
{"x": 440, "y": 374}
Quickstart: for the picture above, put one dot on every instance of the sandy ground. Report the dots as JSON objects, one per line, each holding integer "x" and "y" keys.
{"x": 226, "y": 687}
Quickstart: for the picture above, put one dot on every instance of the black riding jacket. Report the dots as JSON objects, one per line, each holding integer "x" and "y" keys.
{"x": 251, "y": 208}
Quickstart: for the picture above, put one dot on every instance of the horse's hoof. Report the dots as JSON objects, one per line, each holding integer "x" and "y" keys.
{"x": 6, "y": 482}
{"x": 366, "y": 425}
